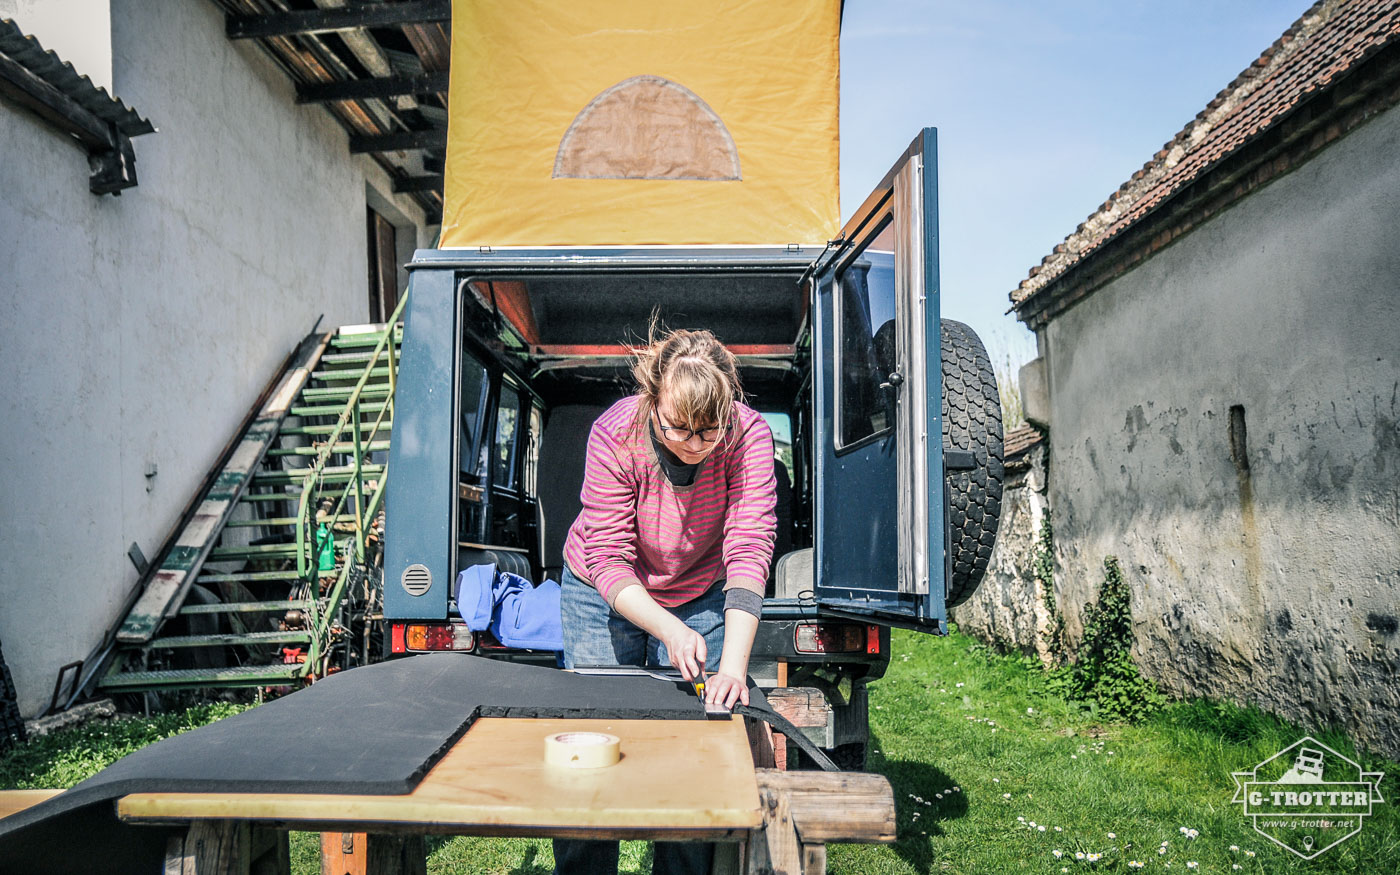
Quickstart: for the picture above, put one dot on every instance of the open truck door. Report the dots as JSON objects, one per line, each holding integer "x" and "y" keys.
{"x": 907, "y": 489}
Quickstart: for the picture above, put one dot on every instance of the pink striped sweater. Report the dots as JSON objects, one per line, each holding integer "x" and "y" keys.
{"x": 636, "y": 528}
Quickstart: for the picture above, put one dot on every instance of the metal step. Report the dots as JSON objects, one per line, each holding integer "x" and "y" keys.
{"x": 249, "y": 576}
{"x": 335, "y": 409}
{"x": 368, "y": 340}
{"x": 254, "y": 551}
{"x": 234, "y": 676}
{"x": 386, "y": 425}
{"x": 329, "y": 475}
{"x": 248, "y": 607}
{"x": 264, "y": 497}
{"x": 352, "y": 358}
{"x": 371, "y": 447}
{"x": 342, "y": 393}
{"x": 231, "y": 639}
{"x": 281, "y": 522}
{"x": 339, "y": 374}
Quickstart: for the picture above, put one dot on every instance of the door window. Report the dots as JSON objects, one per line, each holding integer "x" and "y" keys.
{"x": 865, "y": 359}
{"x": 473, "y": 393}
{"x": 532, "y": 453}
{"x": 507, "y": 428}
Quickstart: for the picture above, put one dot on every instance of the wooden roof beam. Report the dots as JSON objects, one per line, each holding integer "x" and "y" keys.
{"x": 311, "y": 21}
{"x": 410, "y": 184}
{"x": 359, "y": 89}
{"x": 430, "y": 139}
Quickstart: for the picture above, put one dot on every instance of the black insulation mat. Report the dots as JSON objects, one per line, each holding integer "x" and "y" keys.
{"x": 375, "y": 730}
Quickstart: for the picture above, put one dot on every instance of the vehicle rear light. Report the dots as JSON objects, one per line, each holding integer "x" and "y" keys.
{"x": 872, "y": 639}
{"x": 423, "y": 637}
{"x": 396, "y": 644}
{"x": 829, "y": 638}
{"x": 489, "y": 642}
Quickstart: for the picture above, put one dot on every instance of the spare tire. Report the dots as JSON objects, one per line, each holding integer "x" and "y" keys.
{"x": 971, "y": 421}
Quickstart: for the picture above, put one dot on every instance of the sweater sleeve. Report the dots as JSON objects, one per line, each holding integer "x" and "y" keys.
{"x": 609, "y": 516}
{"x": 750, "y": 524}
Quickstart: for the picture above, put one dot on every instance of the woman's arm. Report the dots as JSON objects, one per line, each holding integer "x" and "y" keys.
{"x": 684, "y": 646}
{"x": 750, "y": 523}
{"x": 608, "y": 517}
{"x": 730, "y": 684}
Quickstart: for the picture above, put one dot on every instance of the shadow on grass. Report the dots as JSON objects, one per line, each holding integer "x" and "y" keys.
{"x": 918, "y": 823}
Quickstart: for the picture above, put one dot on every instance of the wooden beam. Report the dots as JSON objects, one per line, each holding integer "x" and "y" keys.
{"x": 390, "y": 854}
{"x": 359, "y": 89}
{"x": 775, "y": 847}
{"x": 408, "y": 184}
{"x": 330, "y": 20}
{"x": 834, "y": 806}
{"x": 431, "y": 139}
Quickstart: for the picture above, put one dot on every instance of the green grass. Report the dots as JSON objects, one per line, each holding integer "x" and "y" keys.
{"x": 63, "y": 758}
{"x": 951, "y": 715}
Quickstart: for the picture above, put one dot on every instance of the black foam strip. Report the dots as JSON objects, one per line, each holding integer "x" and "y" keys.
{"x": 762, "y": 711}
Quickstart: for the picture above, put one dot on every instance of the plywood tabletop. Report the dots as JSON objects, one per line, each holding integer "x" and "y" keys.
{"x": 683, "y": 775}
{"x": 15, "y": 801}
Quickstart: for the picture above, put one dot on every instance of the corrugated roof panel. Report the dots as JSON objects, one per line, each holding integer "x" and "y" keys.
{"x": 29, "y": 53}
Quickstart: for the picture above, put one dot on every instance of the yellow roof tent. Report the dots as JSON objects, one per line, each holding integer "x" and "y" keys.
{"x": 638, "y": 122}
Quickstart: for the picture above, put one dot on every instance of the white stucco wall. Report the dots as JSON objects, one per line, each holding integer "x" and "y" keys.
{"x": 139, "y": 329}
{"x": 1279, "y": 586}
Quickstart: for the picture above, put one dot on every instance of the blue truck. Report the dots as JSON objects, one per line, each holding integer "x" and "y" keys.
{"x": 889, "y": 456}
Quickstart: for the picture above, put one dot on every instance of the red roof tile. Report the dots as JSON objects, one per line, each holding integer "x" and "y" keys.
{"x": 1020, "y": 439}
{"x": 1330, "y": 38}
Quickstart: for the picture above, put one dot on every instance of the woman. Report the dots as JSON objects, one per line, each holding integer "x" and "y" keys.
{"x": 668, "y": 560}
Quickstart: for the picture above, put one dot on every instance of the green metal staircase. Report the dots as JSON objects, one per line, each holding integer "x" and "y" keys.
{"x": 273, "y": 579}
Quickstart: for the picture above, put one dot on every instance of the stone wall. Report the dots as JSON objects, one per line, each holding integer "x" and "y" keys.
{"x": 1009, "y": 608}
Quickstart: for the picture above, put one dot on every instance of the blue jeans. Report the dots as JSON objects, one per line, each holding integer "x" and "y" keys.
{"x": 596, "y": 635}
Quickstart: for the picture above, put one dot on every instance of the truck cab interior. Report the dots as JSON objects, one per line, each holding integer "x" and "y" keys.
{"x": 542, "y": 356}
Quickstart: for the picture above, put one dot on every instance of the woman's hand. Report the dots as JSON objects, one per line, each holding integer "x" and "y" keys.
{"x": 729, "y": 684}
{"x": 725, "y": 689}
{"x": 685, "y": 648}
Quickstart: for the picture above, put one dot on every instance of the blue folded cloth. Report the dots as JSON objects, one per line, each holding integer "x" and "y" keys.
{"x": 517, "y": 613}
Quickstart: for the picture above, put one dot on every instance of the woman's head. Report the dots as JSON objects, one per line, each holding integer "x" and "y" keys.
{"x": 688, "y": 383}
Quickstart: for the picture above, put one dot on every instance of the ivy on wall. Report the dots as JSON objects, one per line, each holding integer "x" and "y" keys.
{"x": 1102, "y": 676}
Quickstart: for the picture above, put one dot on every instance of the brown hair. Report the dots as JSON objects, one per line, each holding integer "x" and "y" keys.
{"x": 698, "y": 373}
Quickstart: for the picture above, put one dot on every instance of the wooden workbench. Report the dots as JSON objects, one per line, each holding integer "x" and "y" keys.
{"x": 676, "y": 780}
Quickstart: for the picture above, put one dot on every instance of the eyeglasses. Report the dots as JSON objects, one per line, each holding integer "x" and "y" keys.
{"x": 679, "y": 435}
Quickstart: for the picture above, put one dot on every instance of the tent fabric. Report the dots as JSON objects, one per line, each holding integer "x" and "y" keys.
{"x": 642, "y": 122}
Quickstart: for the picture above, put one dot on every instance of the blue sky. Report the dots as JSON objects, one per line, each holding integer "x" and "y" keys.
{"x": 1043, "y": 109}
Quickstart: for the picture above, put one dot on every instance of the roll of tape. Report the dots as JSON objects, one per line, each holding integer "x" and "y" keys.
{"x": 582, "y": 750}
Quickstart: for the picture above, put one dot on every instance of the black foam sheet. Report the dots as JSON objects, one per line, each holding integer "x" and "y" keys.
{"x": 375, "y": 730}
